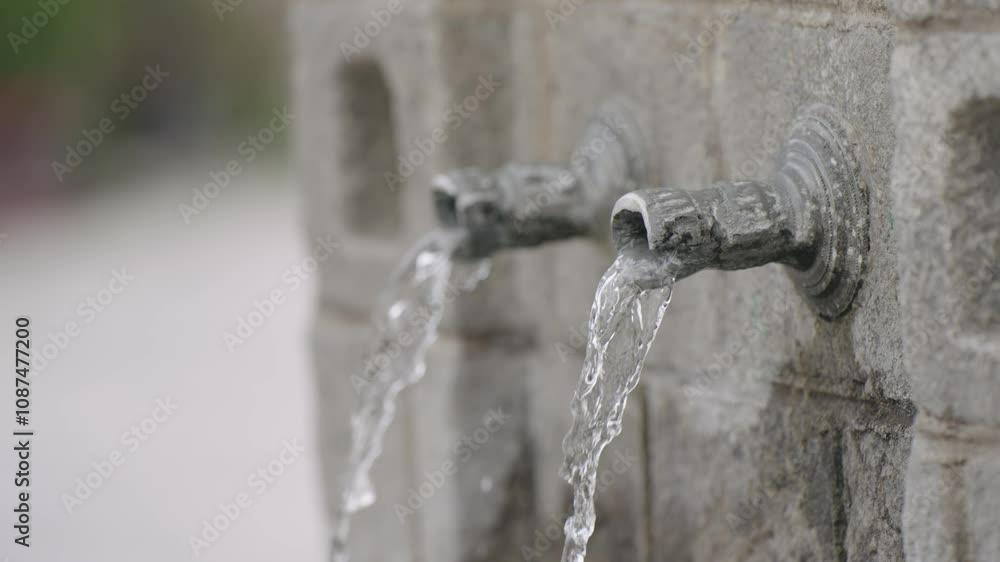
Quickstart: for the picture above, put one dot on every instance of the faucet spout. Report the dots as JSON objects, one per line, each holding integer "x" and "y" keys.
{"x": 525, "y": 204}
{"x": 732, "y": 225}
{"x": 518, "y": 205}
{"x": 812, "y": 216}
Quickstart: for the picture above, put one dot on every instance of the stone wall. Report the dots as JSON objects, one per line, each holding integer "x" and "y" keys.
{"x": 759, "y": 431}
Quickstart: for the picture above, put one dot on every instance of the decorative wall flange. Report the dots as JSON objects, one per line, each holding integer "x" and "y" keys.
{"x": 812, "y": 216}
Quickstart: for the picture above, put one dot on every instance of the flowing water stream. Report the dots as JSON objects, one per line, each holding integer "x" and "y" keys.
{"x": 623, "y": 322}
{"x": 405, "y": 321}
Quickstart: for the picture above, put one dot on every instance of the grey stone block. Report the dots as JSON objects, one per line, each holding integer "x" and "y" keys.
{"x": 764, "y": 472}
{"x": 471, "y": 452}
{"x": 920, "y": 11}
{"x": 982, "y": 495}
{"x": 354, "y": 114}
{"x": 951, "y": 498}
{"x": 946, "y": 88}
{"x": 933, "y": 513}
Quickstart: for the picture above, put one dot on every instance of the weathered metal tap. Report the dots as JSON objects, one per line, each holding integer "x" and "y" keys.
{"x": 526, "y": 204}
{"x": 812, "y": 216}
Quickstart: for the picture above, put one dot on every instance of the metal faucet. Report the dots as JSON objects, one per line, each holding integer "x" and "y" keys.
{"x": 812, "y": 217}
{"x": 526, "y": 204}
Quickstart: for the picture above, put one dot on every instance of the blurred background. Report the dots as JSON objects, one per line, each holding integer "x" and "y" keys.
{"x": 134, "y": 252}
{"x": 226, "y": 67}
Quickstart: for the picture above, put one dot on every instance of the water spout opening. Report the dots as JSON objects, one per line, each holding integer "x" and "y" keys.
{"x": 628, "y": 228}
{"x": 444, "y": 196}
{"x": 630, "y": 232}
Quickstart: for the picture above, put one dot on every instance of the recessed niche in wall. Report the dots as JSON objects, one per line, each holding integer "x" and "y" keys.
{"x": 367, "y": 151}
{"x": 973, "y": 195}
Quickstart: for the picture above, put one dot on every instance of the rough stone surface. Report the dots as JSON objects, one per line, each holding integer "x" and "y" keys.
{"x": 761, "y": 431}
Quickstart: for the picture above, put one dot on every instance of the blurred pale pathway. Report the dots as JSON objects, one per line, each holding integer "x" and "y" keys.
{"x": 161, "y": 338}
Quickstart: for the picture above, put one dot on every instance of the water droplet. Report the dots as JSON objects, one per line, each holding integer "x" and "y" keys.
{"x": 396, "y": 310}
{"x": 486, "y": 484}
{"x": 425, "y": 260}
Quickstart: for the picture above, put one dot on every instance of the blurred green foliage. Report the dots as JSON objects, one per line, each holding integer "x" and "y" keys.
{"x": 224, "y": 75}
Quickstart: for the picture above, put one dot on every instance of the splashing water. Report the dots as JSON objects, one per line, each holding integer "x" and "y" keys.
{"x": 405, "y": 320}
{"x": 623, "y": 322}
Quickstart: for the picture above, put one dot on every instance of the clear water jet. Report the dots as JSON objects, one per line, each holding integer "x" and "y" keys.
{"x": 405, "y": 321}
